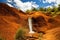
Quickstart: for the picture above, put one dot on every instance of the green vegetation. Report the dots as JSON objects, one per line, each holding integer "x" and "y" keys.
{"x": 28, "y": 11}
{"x": 20, "y": 35}
{"x": 40, "y": 36}
{"x": 53, "y": 12}
{"x": 41, "y": 9}
{"x": 34, "y": 9}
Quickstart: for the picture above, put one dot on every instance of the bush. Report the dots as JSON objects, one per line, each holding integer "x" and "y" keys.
{"x": 21, "y": 34}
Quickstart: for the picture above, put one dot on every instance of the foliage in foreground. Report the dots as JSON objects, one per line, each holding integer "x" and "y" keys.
{"x": 20, "y": 35}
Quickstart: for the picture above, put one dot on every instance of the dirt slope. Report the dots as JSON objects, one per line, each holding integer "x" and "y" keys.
{"x": 10, "y": 21}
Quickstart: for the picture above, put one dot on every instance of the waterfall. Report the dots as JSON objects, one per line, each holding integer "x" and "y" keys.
{"x": 30, "y": 25}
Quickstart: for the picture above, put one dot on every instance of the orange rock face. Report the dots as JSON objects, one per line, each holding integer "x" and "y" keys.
{"x": 9, "y": 21}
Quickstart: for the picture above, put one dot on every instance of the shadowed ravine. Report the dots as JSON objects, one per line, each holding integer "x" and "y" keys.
{"x": 11, "y": 20}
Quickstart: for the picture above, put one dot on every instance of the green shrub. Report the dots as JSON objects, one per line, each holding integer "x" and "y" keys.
{"x": 20, "y": 35}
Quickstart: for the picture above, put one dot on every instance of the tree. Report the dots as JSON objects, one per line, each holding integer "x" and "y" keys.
{"x": 28, "y": 11}
{"x": 41, "y": 9}
{"x": 34, "y": 9}
{"x": 20, "y": 34}
{"x": 48, "y": 9}
{"x": 59, "y": 7}
{"x": 54, "y": 9}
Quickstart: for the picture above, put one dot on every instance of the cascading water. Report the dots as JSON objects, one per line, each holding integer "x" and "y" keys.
{"x": 30, "y": 25}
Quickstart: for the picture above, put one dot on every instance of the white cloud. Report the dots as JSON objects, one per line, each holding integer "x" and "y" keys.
{"x": 57, "y": 2}
{"x": 49, "y": 6}
{"x": 10, "y": 5}
{"x": 50, "y": 1}
{"x": 26, "y": 5}
{"x": 9, "y": 0}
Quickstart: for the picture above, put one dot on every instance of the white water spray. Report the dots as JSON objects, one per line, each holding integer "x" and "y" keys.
{"x": 30, "y": 25}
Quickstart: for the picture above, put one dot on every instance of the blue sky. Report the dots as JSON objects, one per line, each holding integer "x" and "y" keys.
{"x": 39, "y": 2}
{"x": 28, "y": 4}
